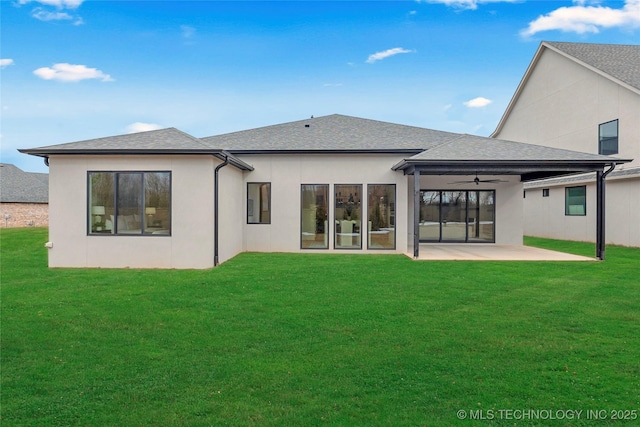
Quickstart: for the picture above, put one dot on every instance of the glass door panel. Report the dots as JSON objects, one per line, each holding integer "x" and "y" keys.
{"x": 429, "y": 216}
{"x": 453, "y": 214}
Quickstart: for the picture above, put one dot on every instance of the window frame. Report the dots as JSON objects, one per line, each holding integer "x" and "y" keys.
{"x": 466, "y": 239}
{"x": 601, "y": 140}
{"x": 328, "y": 214}
{"x": 260, "y": 184}
{"x": 335, "y": 227}
{"x": 545, "y": 192}
{"x": 116, "y": 208}
{"x": 392, "y": 207}
{"x": 566, "y": 201}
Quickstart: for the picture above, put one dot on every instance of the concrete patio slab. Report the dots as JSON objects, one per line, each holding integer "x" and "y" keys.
{"x": 491, "y": 252}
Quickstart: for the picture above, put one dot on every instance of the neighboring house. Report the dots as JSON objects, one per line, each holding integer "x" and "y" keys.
{"x": 165, "y": 199}
{"x": 583, "y": 97}
{"x": 24, "y": 197}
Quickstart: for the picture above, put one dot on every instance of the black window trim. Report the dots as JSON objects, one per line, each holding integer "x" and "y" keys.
{"x": 617, "y": 137}
{"x": 566, "y": 204}
{"x": 466, "y": 241}
{"x": 247, "y": 199}
{"x": 115, "y": 204}
{"x": 329, "y": 215}
{"x": 395, "y": 227}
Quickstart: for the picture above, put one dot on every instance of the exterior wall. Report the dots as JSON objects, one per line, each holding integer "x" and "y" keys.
{"x": 508, "y": 203}
{"x": 14, "y": 215}
{"x": 544, "y": 216}
{"x": 231, "y": 212}
{"x": 562, "y": 105}
{"x": 190, "y": 244}
{"x": 287, "y": 172}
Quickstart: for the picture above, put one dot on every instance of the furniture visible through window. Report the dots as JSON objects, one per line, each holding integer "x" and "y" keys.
{"x": 457, "y": 216}
{"x": 348, "y": 216}
{"x": 381, "y": 218}
{"x": 576, "y": 201}
{"x": 608, "y": 138}
{"x": 314, "y": 221}
{"x": 259, "y": 203}
{"x": 129, "y": 203}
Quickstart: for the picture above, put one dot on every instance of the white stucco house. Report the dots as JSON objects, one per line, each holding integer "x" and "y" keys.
{"x": 165, "y": 199}
{"x": 583, "y": 97}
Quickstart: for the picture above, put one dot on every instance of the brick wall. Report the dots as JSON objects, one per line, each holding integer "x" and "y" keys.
{"x": 13, "y": 215}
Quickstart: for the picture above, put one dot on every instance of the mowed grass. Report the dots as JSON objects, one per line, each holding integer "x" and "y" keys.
{"x": 310, "y": 339}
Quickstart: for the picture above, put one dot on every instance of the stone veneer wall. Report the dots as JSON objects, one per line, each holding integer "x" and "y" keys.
{"x": 14, "y": 215}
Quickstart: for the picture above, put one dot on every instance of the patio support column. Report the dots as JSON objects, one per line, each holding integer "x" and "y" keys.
{"x": 416, "y": 213}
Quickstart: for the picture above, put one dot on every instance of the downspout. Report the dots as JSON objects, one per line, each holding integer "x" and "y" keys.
{"x": 46, "y": 161}
{"x": 215, "y": 209}
{"x": 600, "y": 212}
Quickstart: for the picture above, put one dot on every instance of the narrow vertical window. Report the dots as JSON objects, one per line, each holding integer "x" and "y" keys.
{"x": 381, "y": 226}
{"x": 101, "y": 202}
{"x": 545, "y": 192}
{"x": 608, "y": 138}
{"x": 348, "y": 216}
{"x": 314, "y": 218}
{"x": 259, "y": 203}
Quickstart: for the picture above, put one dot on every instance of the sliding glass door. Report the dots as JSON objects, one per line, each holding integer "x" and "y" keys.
{"x": 457, "y": 216}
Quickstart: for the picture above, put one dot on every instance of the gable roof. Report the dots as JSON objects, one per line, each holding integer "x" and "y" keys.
{"x": 162, "y": 141}
{"x": 333, "y": 133}
{"x": 18, "y": 186}
{"x": 615, "y": 61}
{"x": 619, "y": 63}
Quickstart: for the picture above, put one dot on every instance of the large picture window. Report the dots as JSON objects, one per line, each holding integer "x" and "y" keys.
{"x": 348, "y": 216}
{"x": 129, "y": 203}
{"x": 608, "y": 138}
{"x": 381, "y": 216}
{"x": 259, "y": 203}
{"x": 457, "y": 216}
{"x": 314, "y": 216}
{"x": 576, "y": 201}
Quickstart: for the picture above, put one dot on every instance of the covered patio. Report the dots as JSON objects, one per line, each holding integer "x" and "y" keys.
{"x": 473, "y": 155}
{"x": 489, "y": 252}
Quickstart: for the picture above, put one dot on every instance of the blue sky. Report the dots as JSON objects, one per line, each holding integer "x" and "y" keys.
{"x": 81, "y": 69}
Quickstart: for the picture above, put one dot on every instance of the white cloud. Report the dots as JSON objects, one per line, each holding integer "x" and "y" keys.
{"x": 187, "y": 31}
{"x": 142, "y": 127}
{"x": 5, "y": 62}
{"x": 45, "y": 15}
{"x": 478, "y": 102}
{"x": 71, "y": 73}
{"x": 465, "y": 4}
{"x": 586, "y": 19}
{"x": 60, "y": 4}
{"x": 386, "y": 53}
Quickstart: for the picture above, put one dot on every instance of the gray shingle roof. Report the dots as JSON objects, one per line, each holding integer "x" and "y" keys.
{"x": 156, "y": 140}
{"x": 478, "y": 148}
{"x": 331, "y": 133}
{"x": 163, "y": 141}
{"x": 619, "y": 61}
{"x": 18, "y": 186}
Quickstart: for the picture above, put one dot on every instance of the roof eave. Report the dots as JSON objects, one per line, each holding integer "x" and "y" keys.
{"x": 220, "y": 154}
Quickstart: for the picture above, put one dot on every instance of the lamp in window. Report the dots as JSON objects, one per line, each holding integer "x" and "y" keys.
{"x": 150, "y": 211}
{"x": 97, "y": 212}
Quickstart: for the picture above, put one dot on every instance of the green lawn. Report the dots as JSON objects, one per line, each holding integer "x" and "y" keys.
{"x": 303, "y": 340}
